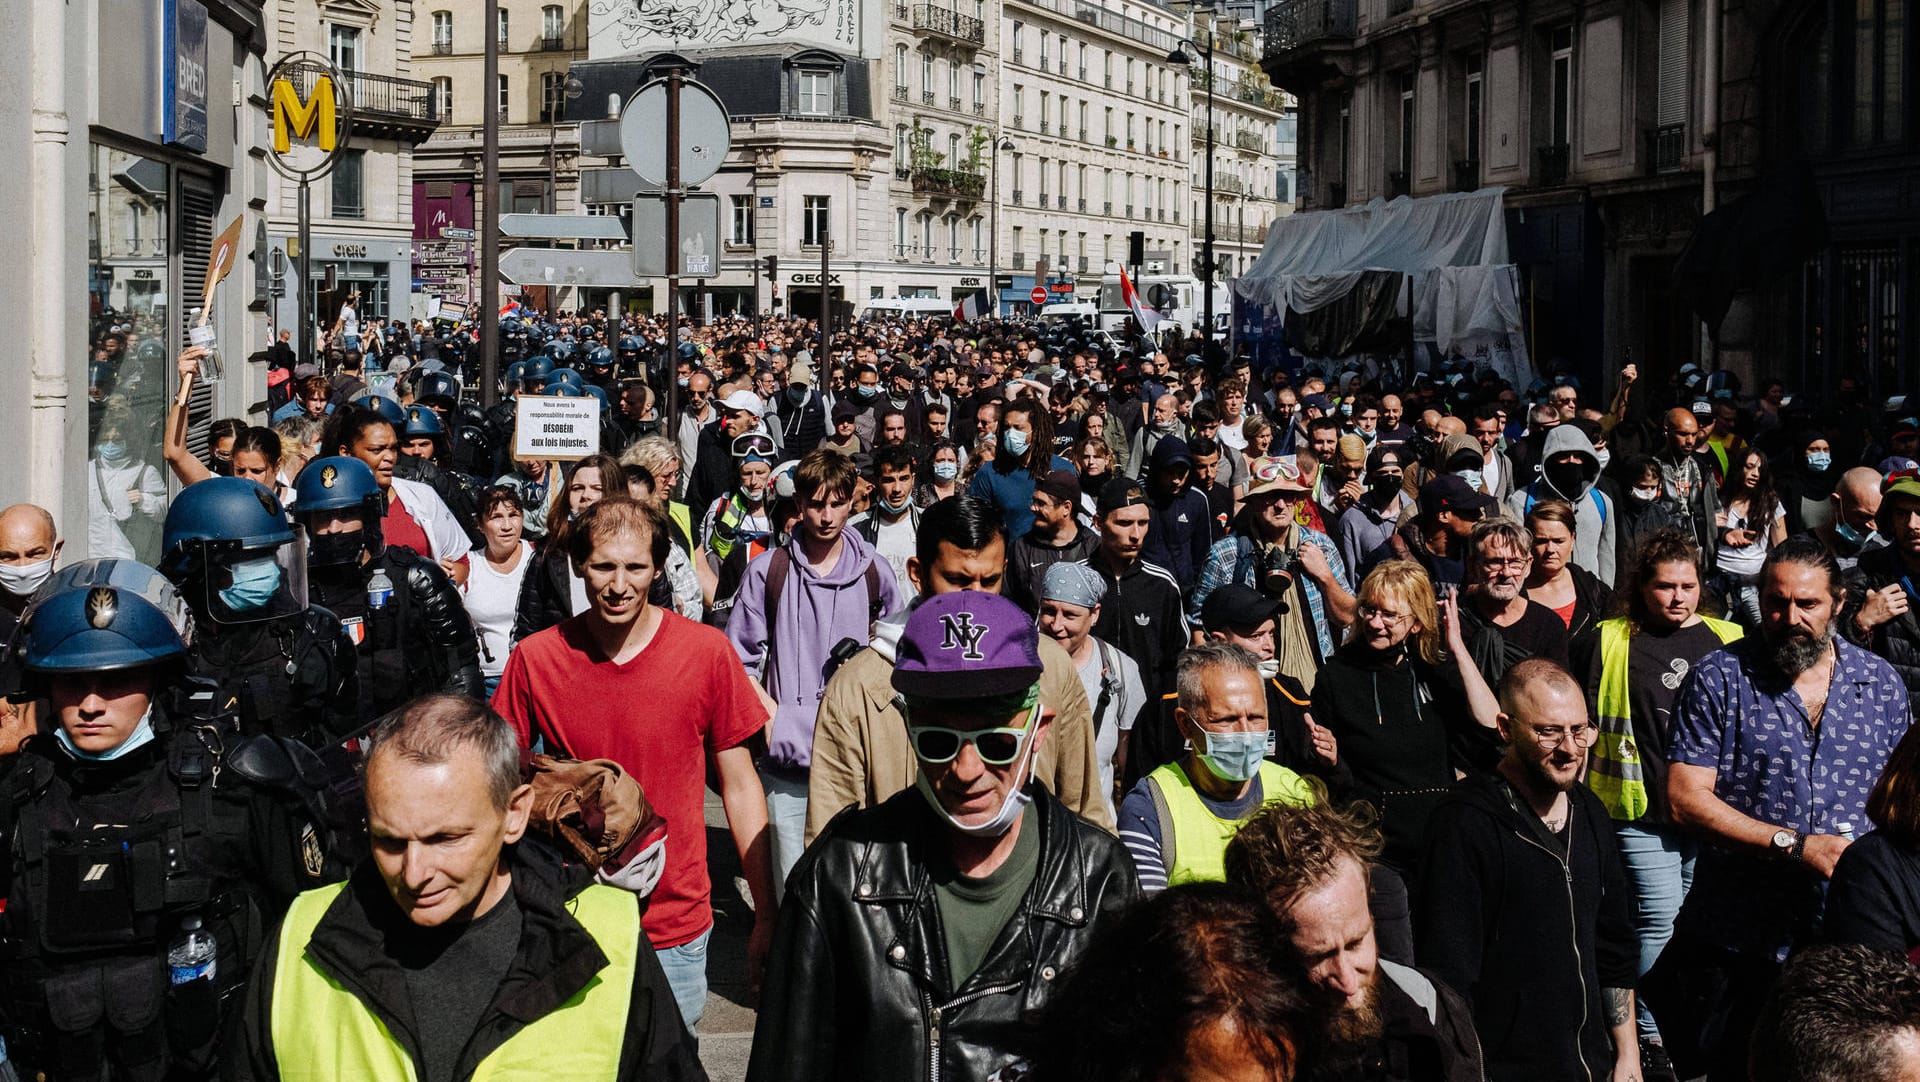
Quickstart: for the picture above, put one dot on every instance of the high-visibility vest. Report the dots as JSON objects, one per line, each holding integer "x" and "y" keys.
{"x": 323, "y": 1031}
{"x": 1617, "y": 772}
{"x": 1193, "y": 840}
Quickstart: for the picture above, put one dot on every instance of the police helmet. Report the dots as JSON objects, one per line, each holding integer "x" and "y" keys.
{"x": 340, "y": 483}
{"x": 629, "y": 344}
{"x": 422, "y": 421}
{"x": 394, "y": 413}
{"x": 594, "y": 390}
{"x": 537, "y": 369}
{"x": 437, "y": 385}
{"x": 688, "y": 351}
{"x": 564, "y": 390}
{"x": 97, "y": 629}
{"x": 600, "y": 357}
{"x": 220, "y": 516}
{"x": 128, "y": 575}
{"x": 516, "y": 373}
{"x": 560, "y": 376}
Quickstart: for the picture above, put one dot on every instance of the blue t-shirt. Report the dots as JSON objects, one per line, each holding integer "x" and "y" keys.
{"x": 1012, "y": 493}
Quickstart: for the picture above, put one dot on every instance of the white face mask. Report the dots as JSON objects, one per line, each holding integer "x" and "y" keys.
{"x": 1270, "y": 668}
{"x": 1605, "y": 455}
{"x": 22, "y": 580}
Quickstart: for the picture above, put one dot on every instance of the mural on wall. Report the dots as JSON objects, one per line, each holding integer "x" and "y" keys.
{"x": 624, "y": 28}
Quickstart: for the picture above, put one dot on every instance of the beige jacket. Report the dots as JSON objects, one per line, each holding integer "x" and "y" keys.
{"x": 861, "y": 755}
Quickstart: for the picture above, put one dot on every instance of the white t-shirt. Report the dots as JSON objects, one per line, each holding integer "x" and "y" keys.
{"x": 1744, "y": 562}
{"x": 1124, "y": 702}
{"x": 491, "y": 598}
{"x": 350, "y": 325}
{"x": 895, "y": 543}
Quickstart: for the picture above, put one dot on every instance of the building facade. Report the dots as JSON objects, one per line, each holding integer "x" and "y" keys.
{"x": 1252, "y": 147}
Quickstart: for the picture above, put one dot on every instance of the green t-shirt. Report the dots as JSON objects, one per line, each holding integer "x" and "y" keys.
{"x": 973, "y": 911}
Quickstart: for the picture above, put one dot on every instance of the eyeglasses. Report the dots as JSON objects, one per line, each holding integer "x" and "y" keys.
{"x": 1498, "y": 563}
{"x": 1582, "y": 736}
{"x": 996, "y": 747}
{"x": 1387, "y": 617}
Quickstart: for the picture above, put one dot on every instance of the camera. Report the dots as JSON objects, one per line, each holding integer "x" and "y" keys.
{"x": 1276, "y": 570}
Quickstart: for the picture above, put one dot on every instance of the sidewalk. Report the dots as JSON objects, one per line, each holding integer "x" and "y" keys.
{"x": 726, "y": 1031}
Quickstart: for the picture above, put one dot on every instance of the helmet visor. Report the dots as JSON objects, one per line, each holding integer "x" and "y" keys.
{"x": 247, "y": 586}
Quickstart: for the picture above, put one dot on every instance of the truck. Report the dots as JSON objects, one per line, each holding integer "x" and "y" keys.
{"x": 1177, "y": 297}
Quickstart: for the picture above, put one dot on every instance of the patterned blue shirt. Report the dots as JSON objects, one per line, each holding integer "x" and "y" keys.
{"x": 1236, "y": 559}
{"x": 1750, "y": 727}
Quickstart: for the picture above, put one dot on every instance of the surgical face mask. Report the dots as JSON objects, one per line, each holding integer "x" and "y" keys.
{"x": 1473, "y": 479}
{"x": 1003, "y": 819}
{"x": 254, "y": 581}
{"x": 946, "y": 471}
{"x": 113, "y": 452}
{"x": 23, "y": 579}
{"x": 1235, "y": 756}
{"x": 1605, "y": 455}
{"x": 1853, "y": 536}
{"x": 141, "y": 736}
{"x": 1648, "y": 494}
{"x": 865, "y": 390}
{"x": 1013, "y": 441}
{"x": 1270, "y": 668}
{"x": 796, "y": 394}
{"x": 1819, "y": 461}
{"x": 683, "y": 381}
{"x": 895, "y": 508}
{"x": 754, "y": 497}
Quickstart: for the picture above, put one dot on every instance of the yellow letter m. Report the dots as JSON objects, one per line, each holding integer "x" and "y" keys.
{"x": 303, "y": 120}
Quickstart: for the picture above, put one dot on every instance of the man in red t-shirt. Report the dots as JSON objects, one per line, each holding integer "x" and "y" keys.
{"x": 660, "y": 695}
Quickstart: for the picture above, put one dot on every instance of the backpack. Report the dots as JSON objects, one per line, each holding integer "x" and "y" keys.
{"x": 781, "y": 568}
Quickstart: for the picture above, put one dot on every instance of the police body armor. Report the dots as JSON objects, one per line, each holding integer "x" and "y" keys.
{"x": 107, "y": 860}
{"x": 289, "y": 677}
{"x": 395, "y": 659}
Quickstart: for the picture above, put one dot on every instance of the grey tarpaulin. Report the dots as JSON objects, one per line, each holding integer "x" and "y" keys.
{"x": 1453, "y": 249}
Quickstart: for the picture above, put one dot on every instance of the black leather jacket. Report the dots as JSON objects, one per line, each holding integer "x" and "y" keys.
{"x": 857, "y": 985}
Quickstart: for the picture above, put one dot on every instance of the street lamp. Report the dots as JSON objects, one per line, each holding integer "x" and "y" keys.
{"x": 1000, "y": 143}
{"x": 1179, "y": 56}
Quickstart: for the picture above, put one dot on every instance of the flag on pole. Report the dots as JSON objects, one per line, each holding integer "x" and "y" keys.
{"x": 972, "y": 308}
{"x": 1147, "y": 317}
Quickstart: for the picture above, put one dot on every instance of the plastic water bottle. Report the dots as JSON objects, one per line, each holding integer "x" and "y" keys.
{"x": 379, "y": 589}
{"x": 1845, "y": 830}
{"x": 193, "y": 955}
{"x": 201, "y": 334}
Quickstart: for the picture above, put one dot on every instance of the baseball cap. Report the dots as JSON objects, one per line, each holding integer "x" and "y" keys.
{"x": 966, "y": 645}
{"x": 1118, "y": 493}
{"x": 1276, "y": 474}
{"x": 1905, "y": 426}
{"x": 1317, "y": 401}
{"x": 743, "y": 402}
{"x": 1234, "y": 605}
{"x": 1062, "y": 485}
{"x": 800, "y": 373}
{"x": 845, "y": 411}
{"x": 1450, "y": 492}
{"x": 1901, "y": 483}
{"x": 302, "y": 371}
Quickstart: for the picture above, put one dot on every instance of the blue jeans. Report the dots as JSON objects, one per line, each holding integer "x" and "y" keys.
{"x": 787, "y": 824}
{"x": 1659, "y": 861}
{"x": 686, "y": 969}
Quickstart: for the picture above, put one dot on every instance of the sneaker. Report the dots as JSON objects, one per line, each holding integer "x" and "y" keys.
{"x": 1654, "y": 1064}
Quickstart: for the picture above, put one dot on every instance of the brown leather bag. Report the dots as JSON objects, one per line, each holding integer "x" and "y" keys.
{"x": 593, "y": 809}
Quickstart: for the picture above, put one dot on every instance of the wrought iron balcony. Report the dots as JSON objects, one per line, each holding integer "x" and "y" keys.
{"x": 1553, "y": 164}
{"x": 951, "y": 25}
{"x": 1308, "y": 41}
{"x": 1018, "y": 197}
{"x": 553, "y": 43}
{"x": 1247, "y": 140}
{"x": 1667, "y": 147}
{"x": 927, "y": 97}
{"x": 1062, "y": 202}
{"x": 443, "y": 48}
{"x": 949, "y": 183}
{"x": 900, "y": 93}
{"x": 385, "y": 107}
{"x": 1019, "y": 260}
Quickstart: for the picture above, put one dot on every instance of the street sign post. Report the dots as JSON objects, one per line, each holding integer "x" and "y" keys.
{"x": 703, "y": 137}
{"x": 562, "y": 226}
{"x": 568, "y": 267}
{"x": 700, "y": 244}
{"x": 1038, "y": 296}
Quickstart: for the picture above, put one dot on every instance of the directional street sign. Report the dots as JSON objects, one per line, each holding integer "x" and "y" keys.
{"x": 449, "y": 232}
{"x": 568, "y": 267}
{"x": 562, "y": 226}
{"x": 700, "y": 243}
{"x": 704, "y": 139}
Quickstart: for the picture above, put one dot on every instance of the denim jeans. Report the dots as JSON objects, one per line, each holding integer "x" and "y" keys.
{"x": 787, "y": 824}
{"x": 686, "y": 970}
{"x": 1659, "y": 862}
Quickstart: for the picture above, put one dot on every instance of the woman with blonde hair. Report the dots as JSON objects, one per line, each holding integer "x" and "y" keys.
{"x": 662, "y": 459}
{"x": 1405, "y": 702}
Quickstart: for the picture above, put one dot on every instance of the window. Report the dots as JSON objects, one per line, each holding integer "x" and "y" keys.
{"x": 553, "y": 26}
{"x": 953, "y": 151}
{"x": 1044, "y": 98}
{"x": 926, "y": 234}
{"x": 816, "y": 93}
{"x": 443, "y": 98}
{"x": 349, "y": 185}
{"x": 500, "y": 29}
{"x": 1043, "y": 49}
{"x": 953, "y": 239}
{"x": 742, "y": 231}
{"x": 1560, "y": 107}
{"x": 899, "y": 67}
{"x": 814, "y": 220}
{"x": 926, "y": 73}
{"x": 1475, "y": 107}
{"x": 443, "y": 31}
{"x": 1345, "y": 141}
{"x": 343, "y": 45}
{"x": 900, "y": 231}
{"x": 1042, "y": 178}
{"x": 1018, "y": 26}
{"x": 553, "y": 97}
{"x": 902, "y": 147}
{"x": 1406, "y": 124}
{"x": 1670, "y": 97}
{"x": 1083, "y": 121}
{"x": 979, "y": 90}
{"x": 979, "y": 248}
{"x": 953, "y": 83}
{"x": 501, "y": 96}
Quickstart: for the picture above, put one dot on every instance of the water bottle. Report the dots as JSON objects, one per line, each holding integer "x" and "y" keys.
{"x": 201, "y": 334}
{"x": 1845, "y": 830}
{"x": 379, "y": 589}
{"x": 193, "y": 955}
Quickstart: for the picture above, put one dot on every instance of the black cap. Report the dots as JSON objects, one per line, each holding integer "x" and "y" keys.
{"x": 1234, "y": 605}
{"x": 1449, "y": 492}
{"x": 1118, "y": 493}
{"x": 1062, "y": 485}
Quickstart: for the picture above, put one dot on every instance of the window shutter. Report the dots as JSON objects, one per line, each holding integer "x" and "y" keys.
{"x": 195, "y": 229}
{"x": 1671, "y": 105}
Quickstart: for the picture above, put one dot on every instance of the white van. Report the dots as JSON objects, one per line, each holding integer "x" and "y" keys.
{"x": 907, "y": 308}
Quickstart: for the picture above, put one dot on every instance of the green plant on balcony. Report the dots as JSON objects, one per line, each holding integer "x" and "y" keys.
{"x": 1112, "y": 141}
{"x": 920, "y": 153}
{"x": 977, "y": 141}
{"x": 958, "y": 183}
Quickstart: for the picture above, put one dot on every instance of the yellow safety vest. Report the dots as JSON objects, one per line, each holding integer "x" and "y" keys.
{"x": 1616, "y": 773}
{"x": 1193, "y": 839}
{"x": 322, "y": 1031}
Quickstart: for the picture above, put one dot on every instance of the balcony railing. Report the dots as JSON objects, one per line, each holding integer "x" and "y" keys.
{"x": 1106, "y": 208}
{"x": 1019, "y": 121}
{"x": 1669, "y": 147}
{"x": 1466, "y": 175}
{"x": 443, "y": 48}
{"x": 1247, "y": 140}
{"x": 1019, "y": 260}
{"x": 1018, "y": 197}
{"x": 1083, "y": 206}
{"x": 927, "y": 97}
{"x": 1129, "y": 210}
{"x": 1083, "y": 264}
{"x": 1062, "y": 203}
{"x": 1553, "y": 164}
{"x": 953, "y": 104}
{"x": 552, "y": 43}
{"x": 1227, "y": 182}
{"x": 900, "y": 93}
{"x": 383, "y": 101}
{"x": 1044, "y": 128}
{"x": 1297, "y": 24}
{"x": 979, "y": 108}
{"x": 949, "y": 24}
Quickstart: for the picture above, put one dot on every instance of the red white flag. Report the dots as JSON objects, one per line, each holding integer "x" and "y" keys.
{"x": 1146, "y": 317}
{"x": 970, "y": 308}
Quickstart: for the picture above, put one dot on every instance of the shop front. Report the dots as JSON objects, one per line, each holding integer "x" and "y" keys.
{"x": 373, "y": 274}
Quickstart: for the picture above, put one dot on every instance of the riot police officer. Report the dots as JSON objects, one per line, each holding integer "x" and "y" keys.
{"x": 404, "y": 615}
{"x": 147, "y": 845}
{"x": 427, "y": 456}
{"x": 284, "y": 666}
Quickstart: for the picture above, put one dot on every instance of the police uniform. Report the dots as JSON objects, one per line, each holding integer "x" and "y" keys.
{"x": 282, "y": 667}
{"x": 110, "y": 862}
{"x": 410, "y": 631}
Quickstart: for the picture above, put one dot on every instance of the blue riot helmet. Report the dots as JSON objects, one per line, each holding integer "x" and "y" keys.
{"x": 423, "y": 423}
{"x": 394, "y": 413}
{"x": 560, "y": 376}
{"x": 98, "y": 628}
{"x": 229, "y": 547}
{"x": 330, "y": 495}
{"x": 516, "y": 374}
{"x": 594, "y": 390}
{"x": 537, "y": 370}
{"x": 564, "y": 390}
{"x": 688, "y": 352}
{"x": 560, "y": 348}
{"x": 437, "y": 387}
{"x": 600, "y": 357}
{"x": 125, "y": 574}
{"x": 629, "y": 344}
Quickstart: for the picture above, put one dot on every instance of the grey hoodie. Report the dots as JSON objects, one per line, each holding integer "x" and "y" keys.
{"x": 1593, "y": 512}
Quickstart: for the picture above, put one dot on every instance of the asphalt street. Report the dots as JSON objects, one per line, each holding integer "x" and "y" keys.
{"x": 726, "y": 1030}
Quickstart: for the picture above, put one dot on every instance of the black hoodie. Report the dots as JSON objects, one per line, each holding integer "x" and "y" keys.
{"x": 1530, "y": 936}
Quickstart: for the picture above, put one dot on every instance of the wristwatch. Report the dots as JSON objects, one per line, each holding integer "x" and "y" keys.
{"x": 1787, "y": 844}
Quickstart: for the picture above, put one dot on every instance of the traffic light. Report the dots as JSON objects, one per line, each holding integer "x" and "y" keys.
{"x": 1137, "y": 247}
{"x": 773, "y": 268}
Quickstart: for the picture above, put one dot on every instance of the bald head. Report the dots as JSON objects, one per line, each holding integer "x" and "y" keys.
{"x": 1683, "y": 431}
{"x": 1450, "y": 426}
{"x": 1537, "y": 686}
{"x": 27, "y": 535}
{"x": 1860, "y": 485}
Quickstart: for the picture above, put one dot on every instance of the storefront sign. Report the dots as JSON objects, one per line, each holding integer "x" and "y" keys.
{"x": 555, "y": 427}
{"x": 813, "y": 279}
{"x": 349, "y": 251}
{"x": 970, "y": 281}
{"x": 184, "y": 113}
{"x": 310, "y": 111}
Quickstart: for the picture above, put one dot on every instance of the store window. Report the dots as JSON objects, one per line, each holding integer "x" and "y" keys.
{"x": 127, "y": 379}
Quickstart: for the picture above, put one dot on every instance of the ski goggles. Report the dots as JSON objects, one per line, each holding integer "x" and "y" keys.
{"x": 753, "y": 446}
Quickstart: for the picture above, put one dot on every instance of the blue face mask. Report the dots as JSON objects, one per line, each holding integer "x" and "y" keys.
{"x": 866, "y": 390}
{"x": 1819, "y": 461}
{"x": 1013, "y": 441}
{"x": 142, "y": 735}
{"x": 112, "y": 452}
{"x": 946, "y": 471}
{"x": 253, "y": 584}
{"x": 1235, "y": 756}
{"x": 1853, "y": 536}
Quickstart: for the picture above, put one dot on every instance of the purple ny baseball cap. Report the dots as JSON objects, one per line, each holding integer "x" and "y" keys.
{"x": 966, "y": 645}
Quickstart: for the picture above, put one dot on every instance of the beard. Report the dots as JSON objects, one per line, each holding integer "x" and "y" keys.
{"x": 1794, "y": 652}
{"x": 1358, "y": 1025}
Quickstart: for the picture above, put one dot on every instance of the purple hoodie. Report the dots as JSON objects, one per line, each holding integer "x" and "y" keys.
{"x": 816, "y": 611}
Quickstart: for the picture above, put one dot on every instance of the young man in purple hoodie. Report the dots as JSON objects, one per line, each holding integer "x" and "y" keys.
{"x": 797, "y": 603}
